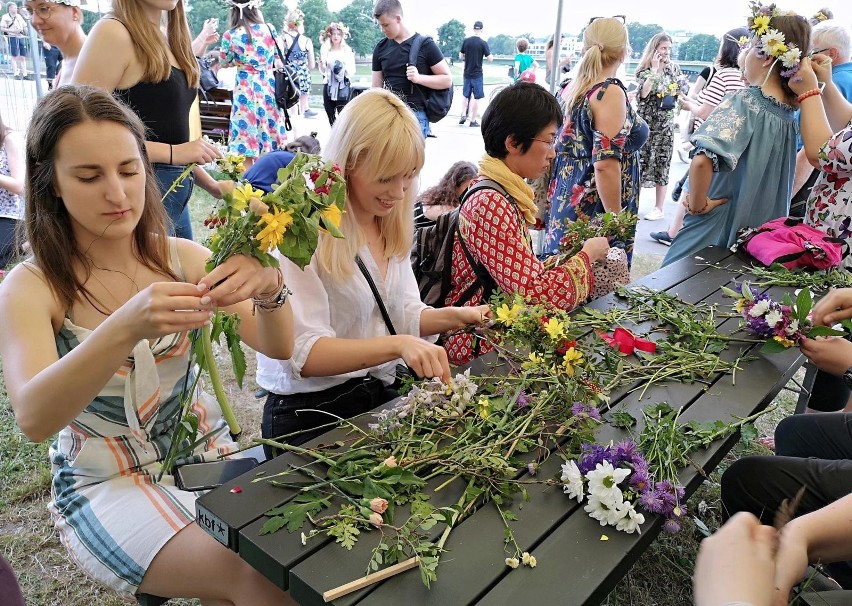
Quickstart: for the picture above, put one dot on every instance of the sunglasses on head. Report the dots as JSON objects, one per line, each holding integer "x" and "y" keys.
{"x": 622, "y": 17}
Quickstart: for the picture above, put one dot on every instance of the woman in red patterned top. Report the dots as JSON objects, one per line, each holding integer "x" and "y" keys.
{"x": 519, "y": 128}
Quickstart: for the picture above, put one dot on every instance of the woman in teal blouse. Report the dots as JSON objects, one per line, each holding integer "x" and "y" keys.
{"x": 741, "y": 173}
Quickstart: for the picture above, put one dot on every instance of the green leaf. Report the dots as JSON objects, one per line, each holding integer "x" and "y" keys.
{"x": 292, "y": 515}
{"x": 772, "y": 346}
{"x": 824, "y": 331}
{"x": 730, "y": 293}
{"x": 804, "y": 304}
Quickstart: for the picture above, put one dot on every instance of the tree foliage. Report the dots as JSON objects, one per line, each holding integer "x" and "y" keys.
{"x": 640, "y": 34}
{"x": 502, "y": 44}
{"x": 701, "y": 47}
{"x": 450, "y": 38}
{"x": 317, "y": 18}
{"x": 358, "y": 16}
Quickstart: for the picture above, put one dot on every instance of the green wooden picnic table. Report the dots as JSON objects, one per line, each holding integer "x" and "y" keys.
{"x": 575, "y": 566}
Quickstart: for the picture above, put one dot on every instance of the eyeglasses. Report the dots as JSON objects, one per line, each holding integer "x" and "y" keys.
{"x": 551, "y": 141}
{"x": 44, "y": 12}
{"x": 622, "y": 17}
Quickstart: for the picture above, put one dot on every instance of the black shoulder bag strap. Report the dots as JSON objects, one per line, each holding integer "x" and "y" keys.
{"x": 287, "y": 124}
{"x": 376, "y": 295}
{"x": 416, "y": 44}
{"x": 384, "y": 312}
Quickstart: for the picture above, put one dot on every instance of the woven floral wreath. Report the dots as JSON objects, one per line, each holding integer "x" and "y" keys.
{"x": 770, "y": 42}
{"x": 335, "y": 25}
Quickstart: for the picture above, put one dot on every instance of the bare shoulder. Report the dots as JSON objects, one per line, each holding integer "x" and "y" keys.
{"x": 109, "y": 31}
{"x": 193, "y": 258}
{"x": 25, "y": 289}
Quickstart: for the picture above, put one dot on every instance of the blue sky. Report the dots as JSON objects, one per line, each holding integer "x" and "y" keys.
{"x": 539, "y": 16}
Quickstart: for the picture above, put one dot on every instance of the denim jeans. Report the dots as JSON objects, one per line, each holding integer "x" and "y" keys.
{"x": 423, "y": 119}
{"x": 176, "y": 201}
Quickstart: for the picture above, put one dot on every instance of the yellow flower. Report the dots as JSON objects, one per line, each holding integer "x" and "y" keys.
{"x": 571, "y": 359}
{"x": 276, "y": 223}
{"x": 534, "y": 361}
{"x": 554, "y": 329}
{"x": 242, "y": 194}
{"x": 740, "y": 305}
{"x": 784, "y": 341}
{"x": 484, "y": 407}
{"x": 507, "y": 315}
{"x": 760, "y": 24}
{"x": 332, "y": 215}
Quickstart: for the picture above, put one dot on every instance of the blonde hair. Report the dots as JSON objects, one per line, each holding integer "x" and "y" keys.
{"x": 605, "y": 42}
{"x": 149, "y": 45}
{"x": 379, "y": 135}
{"x": 653, "y": 43}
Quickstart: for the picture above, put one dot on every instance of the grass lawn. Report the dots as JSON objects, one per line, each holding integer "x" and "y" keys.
{"x": 661, "y": 577}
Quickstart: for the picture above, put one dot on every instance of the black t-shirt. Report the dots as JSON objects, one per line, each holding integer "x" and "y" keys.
{"x": 474, "y": 49}
{"x": 391, "y": 58}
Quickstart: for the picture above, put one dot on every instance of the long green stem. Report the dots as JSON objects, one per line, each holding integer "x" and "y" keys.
{"x": 216, "y": 381}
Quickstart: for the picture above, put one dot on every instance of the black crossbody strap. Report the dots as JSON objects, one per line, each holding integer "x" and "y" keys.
{"x": 376, "y": 294}
{"x": 292, "y": 46}
{"x": 277, "y": 48}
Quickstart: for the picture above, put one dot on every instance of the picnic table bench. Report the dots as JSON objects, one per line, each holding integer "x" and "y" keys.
{"x": 575, "y": 566}
{"x": 214, "y": 107}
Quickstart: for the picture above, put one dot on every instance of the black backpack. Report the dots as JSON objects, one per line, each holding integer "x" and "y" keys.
{"x": 432, "y": 255}
{"x": 437, "y": 102}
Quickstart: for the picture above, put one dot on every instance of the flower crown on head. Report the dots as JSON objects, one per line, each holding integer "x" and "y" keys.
{"x": 244, "y": 4}
{"x": 296, "y": 17}
{"x": 335, "y": 25}
{"x": 770, "y": 41}
{"x": 820, "y": 16}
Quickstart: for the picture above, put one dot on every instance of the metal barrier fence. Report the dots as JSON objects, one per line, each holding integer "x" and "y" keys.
{"x": 19, "y": 96}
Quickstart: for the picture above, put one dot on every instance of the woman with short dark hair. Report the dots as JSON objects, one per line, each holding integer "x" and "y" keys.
{"x": 519, "y": 128}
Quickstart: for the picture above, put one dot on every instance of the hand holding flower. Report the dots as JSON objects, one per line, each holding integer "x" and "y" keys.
{"x": 833, "y": 307}
{"x": 821, "y": 64}
{"x": 805, "y": 79}
{"x": 237, "y": 279}
{"x": 831, "y": 355}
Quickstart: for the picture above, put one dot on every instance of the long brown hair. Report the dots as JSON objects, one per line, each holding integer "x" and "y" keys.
{"x": 605, "y": 42}
{"x": 244, "y": 16}
{"x": 48, "y": 225}
{"x": 648, "y": 53}
{"x": 149, "y": 45}
{"x": 445, "y": 192}
{"x": 796, "y": 30}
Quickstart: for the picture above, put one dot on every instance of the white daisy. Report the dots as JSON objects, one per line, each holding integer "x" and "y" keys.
{"x": 773, "y": 316}
{"x": 791, "y": 57}
{"x": 759, "y": 308}
{"x": 604, "y": 481}
{"x": 573, "y": 481}
{"x": 631, "y": 520}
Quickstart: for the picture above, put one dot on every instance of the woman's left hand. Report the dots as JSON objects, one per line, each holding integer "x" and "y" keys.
{"x": 805, "y": 79}
{"x": 237, "y": 279}
{"x": 710, "y": 204}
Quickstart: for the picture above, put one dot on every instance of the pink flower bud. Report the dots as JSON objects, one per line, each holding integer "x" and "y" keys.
{"x": 378, "y": 505}
{"x": 376, "y": 519}
{"x": 258, "y": 207}
{"x": 390, "y": 462}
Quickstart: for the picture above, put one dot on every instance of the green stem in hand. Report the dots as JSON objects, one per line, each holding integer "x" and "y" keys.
{"x": 216, "y": 381}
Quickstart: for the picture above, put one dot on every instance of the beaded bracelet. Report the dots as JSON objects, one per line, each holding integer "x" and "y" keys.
{"x": 810, "y": 93}
{"x": 273, "y": 301}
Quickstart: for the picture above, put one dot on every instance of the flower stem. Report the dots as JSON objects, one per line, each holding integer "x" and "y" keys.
{"x": 216, "y": 381}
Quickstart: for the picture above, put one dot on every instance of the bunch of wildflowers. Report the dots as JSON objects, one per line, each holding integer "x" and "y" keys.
{"x": 783, "y": 324}
{"x": 307, "y": 200}
{"x": 614, "y": 480}
{"x": 621, "y": 226}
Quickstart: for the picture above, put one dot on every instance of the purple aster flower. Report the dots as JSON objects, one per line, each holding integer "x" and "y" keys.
{"x": 592, "y": 455}
{"x": 759, "y": 327}
{"x": 671, "y": 526}
{"x": 581, "y": 409}
{"x": 522, "y": 401}
{"x": 651, "y": 501}
{"x": 640, "y": 480}
{"x": 625, "y": 451}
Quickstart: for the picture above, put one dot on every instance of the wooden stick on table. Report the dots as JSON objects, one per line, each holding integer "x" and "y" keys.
{"x": 375, "y": 577}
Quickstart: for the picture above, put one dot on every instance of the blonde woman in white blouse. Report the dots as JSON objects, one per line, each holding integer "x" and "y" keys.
{"x": 345, "y": 356}
{"x": 337, "y": 64}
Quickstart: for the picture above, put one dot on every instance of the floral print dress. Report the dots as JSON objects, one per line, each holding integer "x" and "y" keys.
{"x": 256, "y": 128}
{"x": 573, "y": 192}
{"x": 830, "y": 203}
{"x": 657, "y": 155}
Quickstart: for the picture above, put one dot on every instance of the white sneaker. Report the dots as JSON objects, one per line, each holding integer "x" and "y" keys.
{"x": 655, "y": 215}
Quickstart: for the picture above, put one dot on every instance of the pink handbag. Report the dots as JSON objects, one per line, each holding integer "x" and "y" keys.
{"x": 793, "y": 244}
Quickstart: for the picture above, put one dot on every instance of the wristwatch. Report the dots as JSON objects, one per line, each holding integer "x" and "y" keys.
{"x": 847, "y": 377}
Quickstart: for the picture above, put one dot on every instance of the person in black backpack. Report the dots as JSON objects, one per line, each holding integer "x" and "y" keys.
{"x": 358, "y": 314}
{"x": 392, "y": 68}
{"x": 493, "y": 240}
